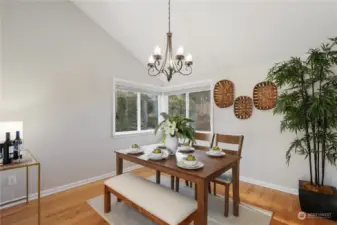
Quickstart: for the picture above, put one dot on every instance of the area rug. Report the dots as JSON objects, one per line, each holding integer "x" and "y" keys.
{"x": 122, "y": 214}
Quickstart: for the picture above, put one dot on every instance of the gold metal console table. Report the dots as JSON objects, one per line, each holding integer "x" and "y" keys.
{"x": 27, "y": 161}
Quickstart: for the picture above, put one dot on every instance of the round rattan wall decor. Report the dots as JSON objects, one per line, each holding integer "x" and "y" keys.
{"x": 265, "y": 95}
{"x": 224, "y": 93}
{"x": 243, "y": 107}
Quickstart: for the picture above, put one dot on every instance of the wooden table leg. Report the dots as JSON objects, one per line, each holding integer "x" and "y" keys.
{"x": 202, "y": 196}
{"x": 172, "y": 183}
{"x": 119, "y": 167}
{"x": 236, "y": 188}
{"x": 177, "y": 184}
{"x": 157, "y": 177}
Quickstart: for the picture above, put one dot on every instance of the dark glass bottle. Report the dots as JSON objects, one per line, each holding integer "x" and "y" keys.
{"x": 17, "y": 143}
{"x": 8, "y": 149}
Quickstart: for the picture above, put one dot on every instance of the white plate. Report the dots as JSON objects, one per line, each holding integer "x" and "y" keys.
{"x": 186, "y": 149}
{"x": 198, "y": 165}
{"x": 215, "y": 153}
{"x": 164, "y": 155}
{"x": 135, "y": 151}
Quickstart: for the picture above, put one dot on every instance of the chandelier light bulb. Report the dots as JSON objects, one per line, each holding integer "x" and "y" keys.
{"x": 151, "y": 59}
{"x": 157, "y": 50}
{"x": 180, "y": 51}
{"x": 189, "y": 58}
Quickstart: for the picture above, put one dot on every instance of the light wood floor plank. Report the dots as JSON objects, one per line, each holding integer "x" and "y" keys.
{"x": 70, "y": 207}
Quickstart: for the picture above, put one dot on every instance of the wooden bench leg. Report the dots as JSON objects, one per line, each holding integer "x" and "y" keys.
{"x": 107, "y": 200}
{"x": 226, "y": 200}
{"x": 209, "y": 188}
{"x": 214, "y": 189}
{"x": 172, "y": 182}
{"x": 186, "y": 183}
{"x": 177, "y": 184}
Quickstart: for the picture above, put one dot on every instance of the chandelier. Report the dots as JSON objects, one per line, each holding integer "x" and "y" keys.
{"x": 169, "y": 65}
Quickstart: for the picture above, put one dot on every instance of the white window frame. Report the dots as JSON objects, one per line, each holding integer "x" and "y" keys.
{"x": 178, "y": 88}
{"x": 146, "y": 89}
{"x": 164, "y": 92}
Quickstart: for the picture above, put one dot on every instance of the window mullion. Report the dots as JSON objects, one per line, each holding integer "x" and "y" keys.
{"x": 138, "y": 112}
{"x": 187, "y": 100}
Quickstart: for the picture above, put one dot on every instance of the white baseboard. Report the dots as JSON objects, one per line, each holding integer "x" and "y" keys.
{"x": 55, "y": 190}
{"x": 104, "y": 176}
{"x": 269, "y": 185}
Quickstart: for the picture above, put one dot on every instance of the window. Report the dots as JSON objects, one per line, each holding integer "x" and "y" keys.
{"x": 177, "y": 105}
{"x": 126, "y": 111}
{"x": 200, "y": 110}
{"x": 149, "y": 111}
{"x": 193, "y": 104}
{"x": 136, "y": 108}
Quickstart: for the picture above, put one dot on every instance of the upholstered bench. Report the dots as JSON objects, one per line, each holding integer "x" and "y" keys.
{"x": 160, "y": 204}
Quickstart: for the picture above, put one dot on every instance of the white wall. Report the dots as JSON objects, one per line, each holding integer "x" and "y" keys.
{"x": 236, "y": 40}
{"x": 264, "y": 146}
{"x": 58, "y": 68}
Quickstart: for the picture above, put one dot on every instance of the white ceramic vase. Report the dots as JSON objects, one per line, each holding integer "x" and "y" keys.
{"x": 171, "y": 144}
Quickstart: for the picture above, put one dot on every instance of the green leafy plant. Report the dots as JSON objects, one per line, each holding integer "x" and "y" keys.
{"x": 308, "y": 103}
{"x": 176, "y": 126}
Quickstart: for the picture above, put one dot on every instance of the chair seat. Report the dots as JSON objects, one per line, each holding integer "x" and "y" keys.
{"x": 161, "y": 202}
{"x": 225, "y": 177}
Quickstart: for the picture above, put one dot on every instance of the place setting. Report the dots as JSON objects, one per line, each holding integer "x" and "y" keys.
{"x": 215, "y": 152}
{"x": 190, "y": 162}
{"x": 134, "y": 150}
{"x": 186, "y": 148}
{"x": 158, "y": 154}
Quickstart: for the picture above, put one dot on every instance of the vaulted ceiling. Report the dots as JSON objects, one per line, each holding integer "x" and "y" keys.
{"x": 219, "y": 34}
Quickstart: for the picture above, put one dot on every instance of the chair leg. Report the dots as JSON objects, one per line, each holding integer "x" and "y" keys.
{"x": 196, "y": 192}
{"x": 186, "y": 183}
{"x": 209, "y": 188}
{"x": 177, "y": 184}
{"x": 172, "y": 182}
{"x": 191, "y": 184}
{"x": 226, "y": 200}
{"x": 214, "y": 189}
{"x": 107, "y": 200}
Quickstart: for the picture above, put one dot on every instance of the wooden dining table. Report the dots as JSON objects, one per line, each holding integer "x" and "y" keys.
{"x": 213, "y": 167}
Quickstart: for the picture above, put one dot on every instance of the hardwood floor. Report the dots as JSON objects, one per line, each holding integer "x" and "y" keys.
{"x": 70, "y": 207}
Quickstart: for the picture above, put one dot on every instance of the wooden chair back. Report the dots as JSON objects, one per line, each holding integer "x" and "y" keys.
{"x": 203, "y": 137}
{"x": 230, "y": 139}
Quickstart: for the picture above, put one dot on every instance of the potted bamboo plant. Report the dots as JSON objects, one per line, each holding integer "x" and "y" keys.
{"x": 308, "y": 104}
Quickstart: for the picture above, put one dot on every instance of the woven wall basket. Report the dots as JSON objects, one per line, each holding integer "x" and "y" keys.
{"x": 224, "y": 93}
{"x": 243, "y": 107}
{"x": 265, "y": 95}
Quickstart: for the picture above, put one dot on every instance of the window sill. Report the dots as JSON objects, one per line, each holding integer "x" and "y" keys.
{"x": 132, "y": 133}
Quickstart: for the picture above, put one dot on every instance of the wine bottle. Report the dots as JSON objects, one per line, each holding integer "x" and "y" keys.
{"x": 8, "y": 149}
{"x": 17, "y": 143}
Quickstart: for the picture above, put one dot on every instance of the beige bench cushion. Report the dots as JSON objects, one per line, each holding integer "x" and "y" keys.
{"x": 162, "y": 202}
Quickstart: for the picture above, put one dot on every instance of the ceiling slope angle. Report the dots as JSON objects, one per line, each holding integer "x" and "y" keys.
{"x": 219, "y": 34}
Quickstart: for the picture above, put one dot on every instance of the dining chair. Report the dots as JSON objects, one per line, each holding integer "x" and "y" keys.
{"x": 200, "y": 138}
{"x": 226, "y": 178}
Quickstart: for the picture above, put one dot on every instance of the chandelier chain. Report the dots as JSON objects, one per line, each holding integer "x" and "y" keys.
{"x": 169, "y": 15}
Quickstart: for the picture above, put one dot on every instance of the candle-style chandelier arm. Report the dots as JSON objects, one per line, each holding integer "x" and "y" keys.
{"x": 181, "y": 67}
{"x": 153, "y": 70}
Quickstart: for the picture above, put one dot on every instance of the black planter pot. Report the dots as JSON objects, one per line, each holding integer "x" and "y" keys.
{"x": 318, "y": 204}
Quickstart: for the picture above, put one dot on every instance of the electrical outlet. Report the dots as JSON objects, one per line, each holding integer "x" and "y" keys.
{"x": 12, "y": 180}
